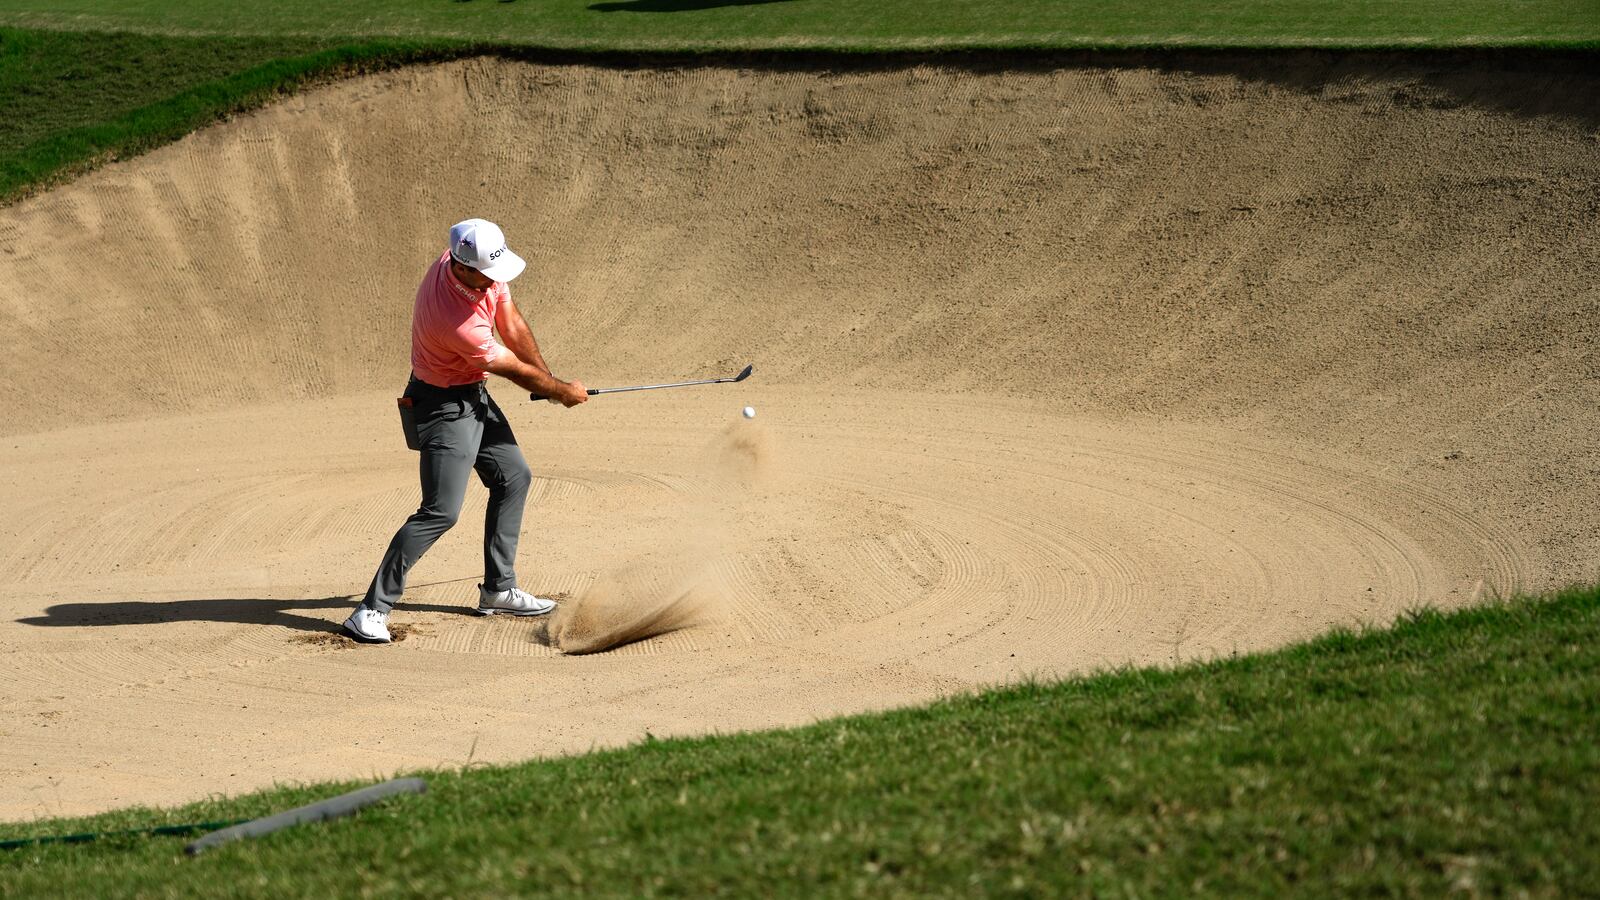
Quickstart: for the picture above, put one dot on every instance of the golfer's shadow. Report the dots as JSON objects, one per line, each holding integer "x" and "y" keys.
{"x": 665, "y": 6}
{"x": 238, "y": 611}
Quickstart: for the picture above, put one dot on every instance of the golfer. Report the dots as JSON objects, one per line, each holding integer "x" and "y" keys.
{"x": 462, "y": 301}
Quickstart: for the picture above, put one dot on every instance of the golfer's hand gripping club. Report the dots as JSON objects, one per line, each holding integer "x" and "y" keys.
{"x": 576, "y": 394}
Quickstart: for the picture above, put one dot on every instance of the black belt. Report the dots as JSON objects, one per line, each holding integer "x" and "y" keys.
{"x": 476, "y": 387}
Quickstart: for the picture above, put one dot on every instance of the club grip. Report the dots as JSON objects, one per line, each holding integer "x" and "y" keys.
{"x": 593, "y": 392}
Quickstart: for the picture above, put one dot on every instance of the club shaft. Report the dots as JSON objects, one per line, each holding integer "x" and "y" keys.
{"x": 651, "y": 387}
{"x": 593, "y": 392}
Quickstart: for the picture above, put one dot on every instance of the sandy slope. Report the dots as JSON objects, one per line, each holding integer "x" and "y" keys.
{"x": 1056, "y": 369}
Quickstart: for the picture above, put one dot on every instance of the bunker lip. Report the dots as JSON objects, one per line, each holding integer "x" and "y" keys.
{"x": 1290, "y": 65}
{"x": 1061, "y": 367}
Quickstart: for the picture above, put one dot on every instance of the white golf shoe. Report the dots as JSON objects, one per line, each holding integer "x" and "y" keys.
{"x": 368, "y": 626}
{"x": 515, "y": 602}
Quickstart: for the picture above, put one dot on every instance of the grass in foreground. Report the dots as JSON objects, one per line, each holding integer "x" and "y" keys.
{"x": 1454, "y": 752}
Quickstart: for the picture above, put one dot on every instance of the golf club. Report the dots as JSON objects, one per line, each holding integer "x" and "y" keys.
{"x": 594, "y": 392}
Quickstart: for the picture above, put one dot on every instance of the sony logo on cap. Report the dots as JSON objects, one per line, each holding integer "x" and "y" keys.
{"x": 480, "y": 244}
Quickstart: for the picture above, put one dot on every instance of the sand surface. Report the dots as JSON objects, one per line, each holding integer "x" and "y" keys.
{"x": 1055, "y": 369}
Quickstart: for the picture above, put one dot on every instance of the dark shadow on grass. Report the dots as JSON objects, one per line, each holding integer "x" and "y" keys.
{"x": 667, "y": 6}
{"x": 236, "y": 610}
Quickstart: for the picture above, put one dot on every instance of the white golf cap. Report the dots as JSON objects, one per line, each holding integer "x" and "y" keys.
{"x": 482, "y": 245}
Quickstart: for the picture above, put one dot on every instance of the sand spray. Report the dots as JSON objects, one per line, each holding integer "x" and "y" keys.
{"x": 675, "y": 583}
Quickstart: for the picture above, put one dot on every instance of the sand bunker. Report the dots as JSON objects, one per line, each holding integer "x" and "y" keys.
{"x": 1068, "y": 368}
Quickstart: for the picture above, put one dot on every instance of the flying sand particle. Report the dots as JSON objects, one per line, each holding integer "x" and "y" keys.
{"x": 676, "y": 586}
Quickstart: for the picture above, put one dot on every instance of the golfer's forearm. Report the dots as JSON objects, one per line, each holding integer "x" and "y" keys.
{"x": 529, "y": 353}
{"x": 521, "y": 343}
{"x": 519, "y": 339}
{"x": 528, "y": 377}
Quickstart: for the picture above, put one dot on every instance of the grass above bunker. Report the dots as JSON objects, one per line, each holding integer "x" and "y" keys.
{"x": 69, "y": 101}
{"x": 85, "y": 81}
{"x": 1449, "y": 752}
{"x": 843, "y": 24}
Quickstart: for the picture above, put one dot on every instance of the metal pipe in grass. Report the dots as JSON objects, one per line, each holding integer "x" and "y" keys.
{"x": 321, "y": 811}
{"x": 238, "y": 829}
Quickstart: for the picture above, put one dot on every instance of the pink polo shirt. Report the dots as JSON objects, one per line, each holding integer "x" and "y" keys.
{"x": 452, "y": 328}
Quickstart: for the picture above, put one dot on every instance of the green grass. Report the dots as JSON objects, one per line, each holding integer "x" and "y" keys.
{"x": 1452, "y": 752}
{"x": 69, "y": 101}
{"x": 697, "y": 24}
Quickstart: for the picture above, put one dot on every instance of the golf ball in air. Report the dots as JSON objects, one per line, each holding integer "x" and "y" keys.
{"x": 749, "y": 412}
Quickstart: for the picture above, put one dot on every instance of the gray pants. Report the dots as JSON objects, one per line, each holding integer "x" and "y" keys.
{"x": 461, "y": 429}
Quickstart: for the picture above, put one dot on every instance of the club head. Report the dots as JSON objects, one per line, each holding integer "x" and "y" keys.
{"x": 745, "y": 374}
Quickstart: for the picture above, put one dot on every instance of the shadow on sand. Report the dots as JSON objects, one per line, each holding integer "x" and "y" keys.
{"x": 241, "y": 611}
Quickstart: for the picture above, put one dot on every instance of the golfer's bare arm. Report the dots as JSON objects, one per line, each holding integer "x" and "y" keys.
{"x": 517, "y": 336}
{"x": 536, "y": 381}
{"x": 524, "y": 366}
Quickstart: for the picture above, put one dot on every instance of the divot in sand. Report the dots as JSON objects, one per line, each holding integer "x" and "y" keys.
{"x": 398, "y": 632}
